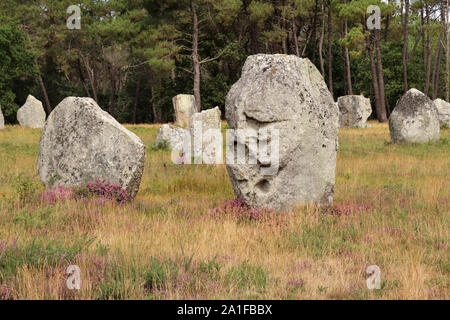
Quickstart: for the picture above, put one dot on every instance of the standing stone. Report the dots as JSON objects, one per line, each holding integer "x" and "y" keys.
{"x": 289, "y": 94}
{"x": 2, "y": 120}
{"x": 354, "y": 111}
{"x": 414, "y": 119}
{"x": 184, "y": 105}
{"x": 80, "y": 143}
{"x": 207, "y": 144}
{"x": 31, "y": 114}
{"x": 174, "y": 137}
{"x": 443, "y": 108}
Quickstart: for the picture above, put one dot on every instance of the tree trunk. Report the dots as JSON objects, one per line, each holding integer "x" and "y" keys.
{"x": 422, "y": 25}
{"x": 195, "y": 58}
{"x": 373, "y": 69}
{"x": 347, "y": 61}
{"x": 330, "y": 54}
{"x": 112, "y": 97}
{"x": 82, "y": 79}
{"x": 295, "y": 35}
{"x": 322, "y": 34}
{"x": 428, "y": 65}
{"x": 405, "y": 47}
{"x": 156, "y": 118}
{"x": 48, "y": 107}
{"x": 447, "y": 55}
{"x": 91, "y": 75}
{"x": 436, "y": 67}
{"x": 383, "y": 116}
{"x": 314, "y": 33}
{"x": 136, "y": 97}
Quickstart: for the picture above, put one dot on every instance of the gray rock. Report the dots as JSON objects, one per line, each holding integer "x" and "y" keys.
{"x": 174, "y": 136}
{"x": 184, "y": 106}
{"x": 207, "y": 145}
{"x": 414, "y": 119}
{"x": 443, "y": 108}
{"x": 31, "y": 114}
{"x": 354, "y": 111}
{"x": 80, "y": 143}
{"x": 2, "y": 120}
{"x": 288, "y": 94}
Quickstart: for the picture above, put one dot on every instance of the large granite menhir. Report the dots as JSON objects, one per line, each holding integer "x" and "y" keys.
{"x": 287, "y": 93}
{"x": 31, "y": 114}
{"x": 414, "y": 119}
{"x": 80, "y": 143}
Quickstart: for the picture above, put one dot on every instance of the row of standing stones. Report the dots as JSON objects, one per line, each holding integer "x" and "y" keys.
{"x": 80, "y": 142}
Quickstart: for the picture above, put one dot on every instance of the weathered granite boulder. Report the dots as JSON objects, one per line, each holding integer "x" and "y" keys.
{"x": 174, "y": 136}
{"x": 31, "y": 114}
{"x": 2, "y": 120}
{"x": 184, "y": 106}
{"x": 354, "y": 111}
{"x": 414, "y": 119}
{"x": 284, "y": 94}
{"x": 207, "y": 142}
{"x": 443, "y": 108}
{"x": 80, "y": 143}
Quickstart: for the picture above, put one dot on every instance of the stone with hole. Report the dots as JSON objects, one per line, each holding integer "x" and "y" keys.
{"x": 284, "y": 94}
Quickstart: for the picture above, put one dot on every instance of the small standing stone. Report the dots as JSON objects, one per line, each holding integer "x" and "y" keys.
{"x": 354, "y": 111}
{"x": 207, "y": 144}
{"x": 184, "y": 106}
{"x": 31, "y": 114}
{"x": 443, "y": 108}
{"x": 174, "y": 137}
{"x": 414, "y": 119}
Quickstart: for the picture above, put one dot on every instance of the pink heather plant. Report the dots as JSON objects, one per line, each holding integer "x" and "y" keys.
{"x": 98, "y": 188}
{"x": 237, "y": 208}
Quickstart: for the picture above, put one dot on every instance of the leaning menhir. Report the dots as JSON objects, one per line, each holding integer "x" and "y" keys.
{"x": 80, "y": 143}
{"x": 414, "y": 119}
{"x": 286, "y": 93}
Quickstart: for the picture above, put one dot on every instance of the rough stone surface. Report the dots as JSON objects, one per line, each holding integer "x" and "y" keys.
{"x": 2, "y": 120}
{"x": 175, "y": 137}
{"x": 289, "y": 94}
{"x": 414, "y": 119}
{"x": 80, "y": 143}
{"x": 31, "y": 114}
{"x": 201, "y": 123}
{"x": 354, "y": 111}
{"x": 443, "y": 108}
{"x": 184, "y": 106}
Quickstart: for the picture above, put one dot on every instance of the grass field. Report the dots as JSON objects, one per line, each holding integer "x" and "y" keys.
{"x": 391, "y": 209}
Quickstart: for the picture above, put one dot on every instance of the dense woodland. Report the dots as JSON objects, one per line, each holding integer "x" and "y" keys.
{"x": 133, "y": 56}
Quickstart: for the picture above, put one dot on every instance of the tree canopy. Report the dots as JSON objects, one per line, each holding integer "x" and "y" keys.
{"x": 133, "y": 56}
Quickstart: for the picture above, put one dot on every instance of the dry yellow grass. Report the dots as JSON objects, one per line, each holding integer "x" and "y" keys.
{"x": 391, "y": 209}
